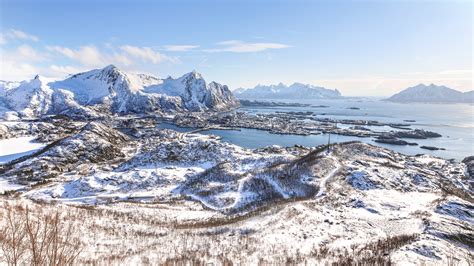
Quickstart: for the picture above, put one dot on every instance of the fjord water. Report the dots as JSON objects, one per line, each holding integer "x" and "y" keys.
{"x": 455, "y": 122}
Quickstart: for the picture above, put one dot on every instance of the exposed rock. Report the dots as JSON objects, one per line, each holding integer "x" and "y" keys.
{"x": 415, "y": 134}
{"x": 393, "y": 140}
{"x": 94, "y": 144}
{"x": 431, "y": 148}
{"x": 469, "y": 162}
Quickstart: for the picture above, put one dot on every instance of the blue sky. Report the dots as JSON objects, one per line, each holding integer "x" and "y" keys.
{"x": 360, "y": 47}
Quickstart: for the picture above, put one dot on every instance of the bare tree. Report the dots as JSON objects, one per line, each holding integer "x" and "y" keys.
{"x": 65, "y": 246}
{"x": 43, "y": 238}
{"x": 13, "y": 235}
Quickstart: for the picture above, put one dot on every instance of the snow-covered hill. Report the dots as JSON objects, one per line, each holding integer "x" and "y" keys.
{"x": 305, "y": 204}
{"x": 282, "y": 91}
{"x": 114, "y": 90}
{"x": 432, "y": 94}
{"x": 309, "y": 204}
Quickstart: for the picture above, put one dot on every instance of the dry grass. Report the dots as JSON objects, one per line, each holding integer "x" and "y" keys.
{"x": 150, "y": 235}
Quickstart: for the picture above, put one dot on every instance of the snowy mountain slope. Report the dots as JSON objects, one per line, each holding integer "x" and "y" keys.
{"x": 230, "y": 179}
{"x": 63, "y": 103}
{"x": 144, "y": 80}
{"x": 281, "y": 91}
{"x": 96, "y": 86}
{"x": 274, "y": 204}
{"x": 195, "y": 93}
{"x": 31, "y": 98}
{"x": 138, "y": 92}
{"x": 94, "y": 143}
{"x": 35, "y": 98}
{"x": 469, "y": 96}
{"x": 407, "y": 230}
{"x": 109, "y": 86}
{"x": 220, "y": 97}
{"x": 114, "y": 90}
{"x": 6, "y": 86}
{"x": 431, "y": 94}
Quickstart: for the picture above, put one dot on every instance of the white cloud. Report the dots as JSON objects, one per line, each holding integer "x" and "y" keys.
{"x": 244, "y": 47}
{"x": 23, "y": 55}
{"x": 26, "y": 52}
{"x": 86, "y": 55}
{"x": 122, "y": 59}
{"x": 91, "y": 56}
{"x": 17, "y": 71}
{"x": 21, "y": 35}
{"x": 18, "y": 63}
{"x": 146, "y": 54}
{"x": 24, "y": 61}
{"x": 13, "y": 34}
{"x": 179, "y": 48}
{"x": 457, "y": 72}
{"x": 61, "y": 71}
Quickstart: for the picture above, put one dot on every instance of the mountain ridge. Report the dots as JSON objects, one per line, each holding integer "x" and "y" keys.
{"x": 281, "y": 91}
{"x": 112, "y": 89}
{"x": 432, "y": 94}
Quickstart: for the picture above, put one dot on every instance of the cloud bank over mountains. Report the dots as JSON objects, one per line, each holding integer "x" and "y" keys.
{"x": 24, "y": 54}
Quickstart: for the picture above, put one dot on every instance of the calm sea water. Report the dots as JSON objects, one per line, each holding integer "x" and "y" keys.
{"x": 455, "y": 122}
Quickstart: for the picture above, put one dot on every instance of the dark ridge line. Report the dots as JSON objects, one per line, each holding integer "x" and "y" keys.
{"x": 4, "y": 168}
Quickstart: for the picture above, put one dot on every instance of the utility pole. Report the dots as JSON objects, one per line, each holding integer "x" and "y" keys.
{"x": 329, "y": 141}
{"x": 329, "y": 138}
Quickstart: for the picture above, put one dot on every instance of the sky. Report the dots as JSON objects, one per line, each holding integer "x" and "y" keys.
{"x": 362, "y": 48}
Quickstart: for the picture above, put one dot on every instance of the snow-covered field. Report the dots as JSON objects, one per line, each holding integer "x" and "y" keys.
{"x": 169, "y": 197}
{"x": 13, "y": 148}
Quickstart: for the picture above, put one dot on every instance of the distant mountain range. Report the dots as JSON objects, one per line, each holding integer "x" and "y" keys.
{"x": 112, "y": 90}
{"x": 282, "y": 91}
{"x": 432, "y": 94}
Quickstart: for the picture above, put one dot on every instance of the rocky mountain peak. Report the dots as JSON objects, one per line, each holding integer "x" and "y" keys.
{"x": 193, "y": 75}
{"x": 117, "y": 91}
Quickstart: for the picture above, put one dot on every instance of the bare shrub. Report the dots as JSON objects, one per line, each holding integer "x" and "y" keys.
{"x": 42, "y": 238}
{"x": 13, "y": 235}
{"x": 373, "y": 253}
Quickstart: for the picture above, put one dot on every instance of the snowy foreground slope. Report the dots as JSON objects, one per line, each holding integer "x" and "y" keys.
{"x": 159, "y": 196}
{"x": 111, "y": 90}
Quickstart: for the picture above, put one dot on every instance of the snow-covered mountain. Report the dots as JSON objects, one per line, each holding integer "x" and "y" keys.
{"x": 6, "y": 86}
{"x": 114, "y": 90}
{"x": 29, "y": 99}
{"x": 195, "y": 93}
{"x": 282, "y": 91}
{"x": 432, "y": 94}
